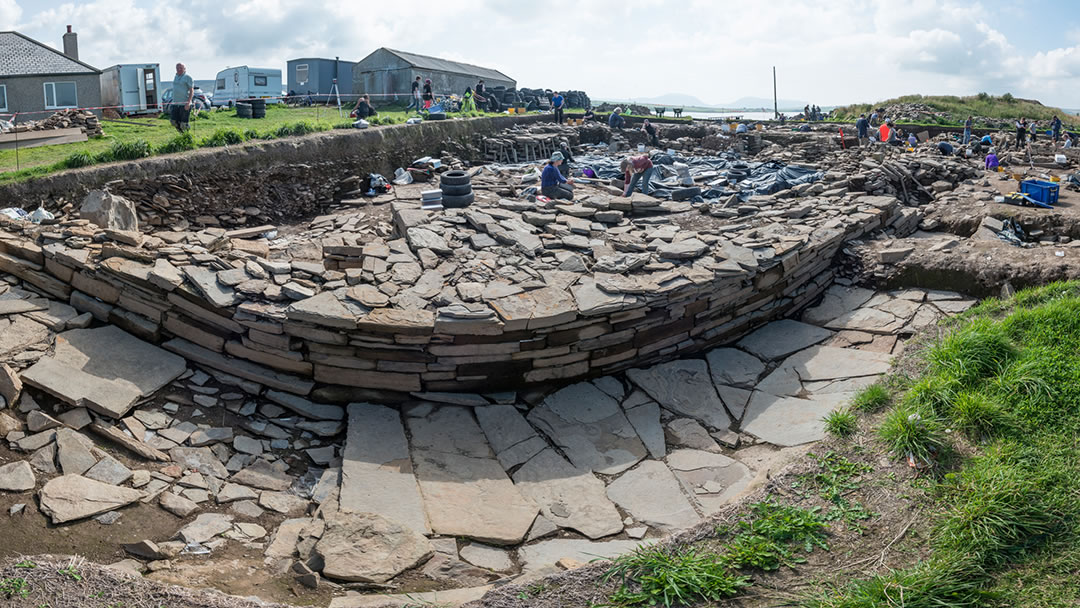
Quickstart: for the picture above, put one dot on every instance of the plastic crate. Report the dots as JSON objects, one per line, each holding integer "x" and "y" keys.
{"x": 1044, "y": 192}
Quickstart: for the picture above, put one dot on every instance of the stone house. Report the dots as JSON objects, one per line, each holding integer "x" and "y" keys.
{"x": 36, "y": 79}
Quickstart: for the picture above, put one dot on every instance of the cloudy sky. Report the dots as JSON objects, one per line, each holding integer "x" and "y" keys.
{"x": 825, "y": 51}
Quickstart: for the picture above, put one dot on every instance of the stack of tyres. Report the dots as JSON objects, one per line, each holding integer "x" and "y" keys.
{"x": 456, "y": 190}
{"x": 258, "y": 108}
{"x": 243, "y": 110}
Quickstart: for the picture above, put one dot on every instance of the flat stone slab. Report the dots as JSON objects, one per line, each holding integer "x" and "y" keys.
{"x": 376, "y": 471}
{"x": 590, "y": 428}
{"x": 712, "y": 479}
{"x": 486, "y": 556}
{"x": 104, "y": 369}
{"x": 542, "y": 556}
{"x": 832, "y": 363}
{"x": 869, "y": 320}
{"x": 568, "y": 496}
{"x": 781, "y": 338}
{"x": 509, "y": 434}
{"x": 838, "y": 300}
{"x": 449, "y": 598}
{"x": 73, "y": 497}
{"x": 684, "y": 387}
{"x": 369, "y": 548}
{"x": 466, "y": 491}
{"x": 734, "y": 367}
{"x": 788, "y": 421}
{"x": 17, "y": 477}
{"x": 653, "y": 496}
{"x": 645, "y": 419}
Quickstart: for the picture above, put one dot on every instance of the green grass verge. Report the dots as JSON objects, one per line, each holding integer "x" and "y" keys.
{"x": 1007, "y": 532}
{"x": 139, "y": 137}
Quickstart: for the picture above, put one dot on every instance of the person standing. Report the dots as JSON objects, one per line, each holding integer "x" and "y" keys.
{"x": 1021, "y": 133}
{"x": 183, "y": 91}
{"x": 651, "y": 132}
{"x": 480, "y": 94}
{"x": 636, "y": 169}
{"x": 415, "y": 102}
{"x": 1055, "y": 129}
{"x": 862, "y": 129}
{"x": 616, "y": 121}
{"x": 1033, "y": 128}
{"x": 967, "y": 130}
{"x": 558, "y": 104}
{"x": 552, "y": 183}
{"x": 428, "y": 96}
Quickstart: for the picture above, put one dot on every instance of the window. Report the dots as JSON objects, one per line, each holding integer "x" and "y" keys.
{"x": 301, "y": 74}
{"x": 3, "y": 97}
{"x": 220, "y": 84}
{"x": 260, "y": 81}
{"x": 60, "y": 95}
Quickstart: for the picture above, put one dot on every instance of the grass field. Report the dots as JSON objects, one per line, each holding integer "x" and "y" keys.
{"x": 137, "y": 137}
{"x": 1004, "y": 107}
{"x": 999, "y": 398}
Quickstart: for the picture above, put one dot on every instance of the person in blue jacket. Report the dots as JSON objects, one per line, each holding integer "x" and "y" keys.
{"x": 552, "y": 183}
{"x": 616, "y": 121}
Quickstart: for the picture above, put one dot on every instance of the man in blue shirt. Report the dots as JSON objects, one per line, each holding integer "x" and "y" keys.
{"x": 552, "y": 183}
{"x": 862, "y": 126}
{"x": 616, "y": 121}
{"x": 183, "y": 91}
{"x": 557, "y": 105}
{"x": 967, "y": 129}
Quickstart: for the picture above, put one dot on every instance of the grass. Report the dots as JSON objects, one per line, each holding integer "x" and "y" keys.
{"x": 14, "y": 587}
{"x": 767, "y": 538}
{"x": 841, "y": 423}
{"x": 871, "y": 398}
{"x": 957, "y": 109}
{"x": 138, "y": 137}
{"x": 1006, "y": 523}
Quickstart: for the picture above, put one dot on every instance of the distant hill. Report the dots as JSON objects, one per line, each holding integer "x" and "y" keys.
{"x": 762, "y": 102}
{"x": 672, "y": 99}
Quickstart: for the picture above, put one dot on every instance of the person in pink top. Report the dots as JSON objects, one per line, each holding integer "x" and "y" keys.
{"x": 636, "y": 169}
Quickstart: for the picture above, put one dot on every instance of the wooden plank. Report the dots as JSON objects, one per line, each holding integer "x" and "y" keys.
{"x": 33, "y": 139}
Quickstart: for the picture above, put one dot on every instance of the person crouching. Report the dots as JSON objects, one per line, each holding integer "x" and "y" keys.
{"x": 552, "y": 183}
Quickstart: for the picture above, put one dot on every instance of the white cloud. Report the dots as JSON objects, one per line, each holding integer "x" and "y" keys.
{"x": 825, "y": 51}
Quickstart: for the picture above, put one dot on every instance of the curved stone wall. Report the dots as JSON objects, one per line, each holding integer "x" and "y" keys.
{"x": 557, "y": 333}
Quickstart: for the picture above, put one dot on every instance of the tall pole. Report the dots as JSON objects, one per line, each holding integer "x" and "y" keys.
{"x": 775, "y": 105}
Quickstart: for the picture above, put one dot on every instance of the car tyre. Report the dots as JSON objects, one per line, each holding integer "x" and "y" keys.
{"x": 457, "y": 202}
{"x": 454, "y": 178}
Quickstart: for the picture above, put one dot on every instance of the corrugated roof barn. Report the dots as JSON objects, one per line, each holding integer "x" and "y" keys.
{"x": 387, "y": 75}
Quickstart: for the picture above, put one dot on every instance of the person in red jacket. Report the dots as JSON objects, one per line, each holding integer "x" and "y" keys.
{"x": 635, "y": 169}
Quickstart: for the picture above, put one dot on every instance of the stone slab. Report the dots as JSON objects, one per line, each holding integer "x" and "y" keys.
{"x": 73, "y": 497}
{"x": 653, "y": 496}
{"x": 781, "y": 338}
{"x": 734, "y": 367}
{"x": 104, "y": 369}
{"x": 568, "y": 496}
{"x": 713, "y": 480}
{"x": 376, "y": 471}
{"x": 788, "y": 421}
{"x": 684, "y": 387}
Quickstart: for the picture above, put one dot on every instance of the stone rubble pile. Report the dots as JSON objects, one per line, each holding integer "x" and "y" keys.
{"x": 64, "y": 119}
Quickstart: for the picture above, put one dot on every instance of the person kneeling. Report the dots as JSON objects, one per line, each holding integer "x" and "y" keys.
{"x": 552, "y": 183}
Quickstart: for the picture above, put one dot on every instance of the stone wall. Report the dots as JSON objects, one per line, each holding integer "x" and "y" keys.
{"x": 552, "y": 334}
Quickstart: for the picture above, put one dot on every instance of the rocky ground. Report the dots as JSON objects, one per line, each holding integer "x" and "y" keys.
{"x": 127, "y": 453}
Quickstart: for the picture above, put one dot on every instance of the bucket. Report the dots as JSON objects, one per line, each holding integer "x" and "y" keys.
{"x": 759, "y": 126}
{"x": 732, "y": 126}
{"x": 1060, "y": 159}
{"x": 641, "y": 147}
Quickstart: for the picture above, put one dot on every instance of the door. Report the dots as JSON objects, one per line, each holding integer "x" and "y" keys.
{"x": 148, "y": 88}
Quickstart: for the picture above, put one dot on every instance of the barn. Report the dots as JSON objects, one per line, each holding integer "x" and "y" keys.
{"x": 387, "y": 75}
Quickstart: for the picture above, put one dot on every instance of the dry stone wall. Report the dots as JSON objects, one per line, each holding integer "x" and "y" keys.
{"x": 557, "y": 333}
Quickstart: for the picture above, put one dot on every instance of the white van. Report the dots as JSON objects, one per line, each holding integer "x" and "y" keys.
{"x": 242, "y": 82}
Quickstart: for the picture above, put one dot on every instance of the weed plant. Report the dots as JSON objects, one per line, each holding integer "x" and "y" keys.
{"x": 841, "y": 423}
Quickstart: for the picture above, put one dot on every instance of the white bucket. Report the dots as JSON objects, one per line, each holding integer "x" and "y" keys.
{"x": 641, "y": 147}
{"x": 1061, "y": 159}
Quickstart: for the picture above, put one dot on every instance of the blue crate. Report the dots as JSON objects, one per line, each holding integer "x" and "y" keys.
{"x": 1044, "y": 192}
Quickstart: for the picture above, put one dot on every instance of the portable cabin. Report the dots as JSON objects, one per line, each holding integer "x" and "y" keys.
{"x": 132, "y": 88}
{"x": 243, "y": 82}
{"x": 315, "y": 76}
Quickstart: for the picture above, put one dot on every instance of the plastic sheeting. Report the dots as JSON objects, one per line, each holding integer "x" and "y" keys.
{"x": 710, "y": 172}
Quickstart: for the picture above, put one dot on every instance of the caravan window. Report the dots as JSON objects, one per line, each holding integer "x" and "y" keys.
{"x": 301, "y": 74}
{"x": 3, "y": 97}
{"x": 60, "y": 95}
{"x": 260, "y": 81}
{"x": 220, "y": 84}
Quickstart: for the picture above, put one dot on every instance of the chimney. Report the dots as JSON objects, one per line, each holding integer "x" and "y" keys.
{"x": 71, "y": 44}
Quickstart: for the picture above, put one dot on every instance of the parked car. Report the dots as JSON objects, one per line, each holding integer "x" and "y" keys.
{"x": 200, "y": 101}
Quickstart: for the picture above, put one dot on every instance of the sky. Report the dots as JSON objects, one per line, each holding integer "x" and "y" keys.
{"x": 827, "y": 52}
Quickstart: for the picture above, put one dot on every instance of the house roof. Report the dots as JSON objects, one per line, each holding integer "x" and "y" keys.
{"x": 23, "y": 56}
{"x": 425, "y": 62}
